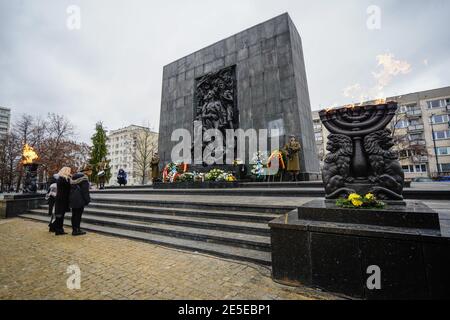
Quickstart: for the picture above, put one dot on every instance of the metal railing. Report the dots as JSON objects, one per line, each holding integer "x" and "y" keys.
{"x": 414, "y": 113}
{"x": 417, "y": 127}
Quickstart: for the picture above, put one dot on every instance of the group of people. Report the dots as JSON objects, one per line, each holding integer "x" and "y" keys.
{"x": 68, "y": 191}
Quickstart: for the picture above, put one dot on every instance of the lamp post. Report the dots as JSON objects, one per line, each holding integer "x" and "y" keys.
{"x": 434, "y": 144}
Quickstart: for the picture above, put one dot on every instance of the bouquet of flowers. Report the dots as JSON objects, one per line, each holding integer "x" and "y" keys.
{"x": 355, "y": 200}
{"x": 259, "y": 164}
{"x": 213, "y": 174}
{"x": 226, "y": 176}
{"x": 199, "y": 177}
{"x": 277, "y": 155}
{"x": 173, "y": 171}
{"x": 187, "y": 177}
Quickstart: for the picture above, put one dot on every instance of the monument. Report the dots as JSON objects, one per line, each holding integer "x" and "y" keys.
{"x": 359, "y": 159}
{"x": 255, "y": 79}
{"x": 394, "y": 250}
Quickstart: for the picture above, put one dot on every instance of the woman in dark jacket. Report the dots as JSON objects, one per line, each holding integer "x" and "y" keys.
{"x": 62, "y": 201}
{"x": 79, "y": 198}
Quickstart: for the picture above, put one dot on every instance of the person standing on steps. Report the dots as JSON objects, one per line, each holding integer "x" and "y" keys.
{"x": 292, "y": 149}
{"x": 61, "y": 201}
{"x": 51, "y": 198}
{"x": 79, "y": 197}
{"x": 122, "y": 178}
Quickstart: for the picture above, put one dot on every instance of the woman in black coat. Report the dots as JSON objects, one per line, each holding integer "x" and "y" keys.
{"x": 79, "y": 198}
{"x": 62, "y": 201}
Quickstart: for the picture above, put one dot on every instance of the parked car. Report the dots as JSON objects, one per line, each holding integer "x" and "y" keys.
{"x": 445, "y": 178}
{"x": 422, "y": 179}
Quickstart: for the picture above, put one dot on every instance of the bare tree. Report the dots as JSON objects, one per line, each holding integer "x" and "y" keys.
{"x": 58, "y": 143}
{"x": 146, "y": 145}
{"x": 53, "y": 140}
{"x": 10, "y": 155}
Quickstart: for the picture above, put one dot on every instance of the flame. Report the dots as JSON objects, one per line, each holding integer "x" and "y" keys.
{"x": 350, "y": 106}
{"x": 380, "y": 101}
{"x": 28, "y": 155}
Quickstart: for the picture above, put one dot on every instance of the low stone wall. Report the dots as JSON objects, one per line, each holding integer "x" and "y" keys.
{"x": 13, "y": 205}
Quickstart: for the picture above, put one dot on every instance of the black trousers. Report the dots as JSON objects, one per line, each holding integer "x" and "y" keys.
{"x": 76, "y": 217}
{"x": 51, "y": 205}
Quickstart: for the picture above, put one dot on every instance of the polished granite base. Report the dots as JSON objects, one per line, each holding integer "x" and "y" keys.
{"x": 324, "y": 246}
{"x": 13, "y": 205}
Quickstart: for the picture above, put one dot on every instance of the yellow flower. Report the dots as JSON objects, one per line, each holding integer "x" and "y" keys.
{"x": 354, "y": 196}
{"x": 370, "y": 197}
{"x": 357, "y": 202}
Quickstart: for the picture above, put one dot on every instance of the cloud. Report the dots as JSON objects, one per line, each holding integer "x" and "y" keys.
{"x": 389, "y": 68}
{"x": 111, "y": 69}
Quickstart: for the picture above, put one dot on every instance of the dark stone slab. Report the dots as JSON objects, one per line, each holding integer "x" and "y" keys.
{"x": 13, "y": 205}
{"x": 437, "y": 258}
{"x": 402, "y": 268}
{"x": 336, "y": 249}
{"x": 294, "y": 260}
{"x": 411, "y": 215}
{"x": 336, "y": 263}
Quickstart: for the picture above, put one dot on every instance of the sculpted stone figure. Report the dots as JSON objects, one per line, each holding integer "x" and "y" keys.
{"x": 385, "y": 170}
{"x": 215, "y": 104}
{"x": 215, "y": 100}
{"x": 214, "y": 115}
{"x": 360, "y": 159}
{"x": 336, "y": 168}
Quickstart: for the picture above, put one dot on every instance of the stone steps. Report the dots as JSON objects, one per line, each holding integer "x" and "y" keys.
{"x": 253, "y": 191}
{"x": 196, "y": 206}
{"x": 190, "y": 213}
{"x": 228, "y": 230}
{"x": 244, "y": 240}
{"x": 225, "y": 251}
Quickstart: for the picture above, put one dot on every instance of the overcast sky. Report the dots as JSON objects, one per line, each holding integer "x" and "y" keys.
{"x": 111, "y": 68}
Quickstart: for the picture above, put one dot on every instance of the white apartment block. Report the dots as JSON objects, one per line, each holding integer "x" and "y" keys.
{"x": 121, "y": 145}
{"x": 421, "y": 131}
{"x": 5, "y": 119}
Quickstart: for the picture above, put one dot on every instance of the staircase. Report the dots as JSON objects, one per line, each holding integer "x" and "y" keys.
{"x": 235, "y": 231}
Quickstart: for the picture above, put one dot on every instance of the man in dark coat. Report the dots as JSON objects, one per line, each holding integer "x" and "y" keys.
{"x": 61, "y": 201}
{"x": 79, "y": 197}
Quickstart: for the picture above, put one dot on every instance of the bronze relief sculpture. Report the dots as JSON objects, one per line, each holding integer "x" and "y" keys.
{"x": 360, "y": 158}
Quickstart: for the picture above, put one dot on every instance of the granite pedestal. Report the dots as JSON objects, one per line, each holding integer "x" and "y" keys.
{"x": 13, "y": 205}
{"x": 322, "y": 245}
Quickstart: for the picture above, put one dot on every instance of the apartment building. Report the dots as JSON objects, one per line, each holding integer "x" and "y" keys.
{"x": 122, "y": 147}
{"x": 421, "y": 131}
{"x": 5, "y": 119}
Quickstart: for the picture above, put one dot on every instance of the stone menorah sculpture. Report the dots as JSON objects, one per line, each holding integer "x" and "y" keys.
{"x": 360, "y": 158}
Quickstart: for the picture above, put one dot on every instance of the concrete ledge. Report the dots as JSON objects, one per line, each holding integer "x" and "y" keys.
{"x": 13, "y": 205}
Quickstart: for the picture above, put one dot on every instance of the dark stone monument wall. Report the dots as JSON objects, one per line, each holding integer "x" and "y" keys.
{"x": 271, "y": 85}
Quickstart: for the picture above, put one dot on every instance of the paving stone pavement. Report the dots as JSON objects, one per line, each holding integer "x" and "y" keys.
{"x": 33, "y": 265}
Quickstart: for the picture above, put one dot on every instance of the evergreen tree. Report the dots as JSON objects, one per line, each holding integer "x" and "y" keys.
{"x": 99, "y": 152}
